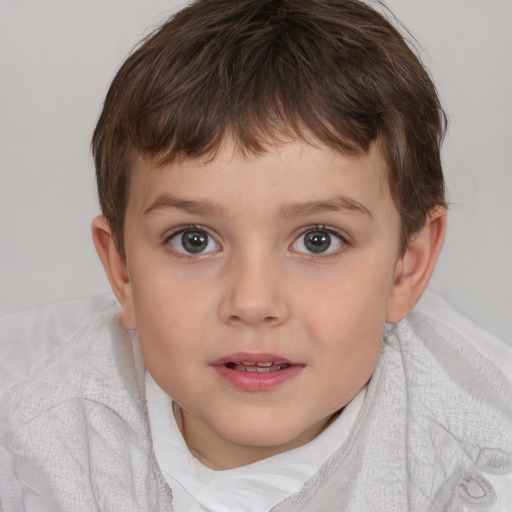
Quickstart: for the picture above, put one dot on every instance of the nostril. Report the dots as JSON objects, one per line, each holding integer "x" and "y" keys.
{"x": 266, "y": 320}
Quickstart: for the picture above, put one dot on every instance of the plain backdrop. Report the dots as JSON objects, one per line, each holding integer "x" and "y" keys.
{"x": 58, "y": 57}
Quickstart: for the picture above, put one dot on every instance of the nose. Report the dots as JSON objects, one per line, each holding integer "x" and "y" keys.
{"x": 255, "y": 293}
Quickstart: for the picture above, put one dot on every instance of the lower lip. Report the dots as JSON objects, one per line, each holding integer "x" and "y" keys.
{"x": 257, "y": 381}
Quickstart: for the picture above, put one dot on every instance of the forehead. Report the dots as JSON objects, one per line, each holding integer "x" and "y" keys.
{"x": 294, "y": 171}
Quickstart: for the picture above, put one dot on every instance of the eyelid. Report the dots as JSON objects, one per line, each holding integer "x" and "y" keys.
{"x": 188, "y": 227}
{"x": 185, "y": 227}
{"x": 323, "y": 227}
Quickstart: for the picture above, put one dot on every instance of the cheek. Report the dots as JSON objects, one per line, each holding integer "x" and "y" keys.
{"x": 174, "y": 305}
{"x": 171, "y": 297}
{"x": 165, "y": 322}
{"x": 171, "y": 343}
{"x": 348, "y": 313}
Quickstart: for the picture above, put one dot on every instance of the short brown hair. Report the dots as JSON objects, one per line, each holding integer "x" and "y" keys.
{"x": 335, "y": 71}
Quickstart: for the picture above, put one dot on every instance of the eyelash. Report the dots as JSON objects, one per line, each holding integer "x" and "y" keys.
{"x": 310, "y": 255}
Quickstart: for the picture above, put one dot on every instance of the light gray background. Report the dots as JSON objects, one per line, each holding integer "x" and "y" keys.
{"x": 58, "y": 57}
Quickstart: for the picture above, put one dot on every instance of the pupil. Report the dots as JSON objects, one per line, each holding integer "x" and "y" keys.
{"x": 317, "y": 241}
{"x": 194, "y": 241}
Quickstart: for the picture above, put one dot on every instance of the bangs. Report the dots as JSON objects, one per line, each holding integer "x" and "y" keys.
{"x": 269, "y": 82}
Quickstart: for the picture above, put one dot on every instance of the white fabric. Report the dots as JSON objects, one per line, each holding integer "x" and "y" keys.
{"x": 434, "y": 428}
{"x": 488, "y": 345}
{"x": 491, "y": 347}
{"x": 28, "y": 337}
{"x": 254, "y": 488}
{"x": 74, "y": 437}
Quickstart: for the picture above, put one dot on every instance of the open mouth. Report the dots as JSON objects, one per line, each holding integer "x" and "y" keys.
{"x": 256, "y": 372}
{"x": 257, "y": 367}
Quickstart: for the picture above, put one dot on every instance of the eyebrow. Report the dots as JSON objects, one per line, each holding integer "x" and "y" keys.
{"x": 166, "y": 202}
{"x": 336, "y": 204}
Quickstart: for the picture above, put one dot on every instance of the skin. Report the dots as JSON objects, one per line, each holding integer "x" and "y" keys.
{"x": 257, "y": 288}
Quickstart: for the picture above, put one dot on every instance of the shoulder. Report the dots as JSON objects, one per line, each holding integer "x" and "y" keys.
{"x": 97, "y": 365}
{"x": 445, "y": 319}
{"x": 28, "y": 337}
{"x": 437, "y": 334}
{"x": 454, "y": 369}
{"x": 458, "y": 380}
{"x": 76, "y": 430}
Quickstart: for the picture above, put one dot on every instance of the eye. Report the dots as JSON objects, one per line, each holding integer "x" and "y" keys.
{"x": 319, "y": 241}
{"x": 193, "y": 241}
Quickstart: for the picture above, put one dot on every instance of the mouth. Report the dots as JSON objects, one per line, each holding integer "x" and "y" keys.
{"x": 256, "y": 372}
{"x": 265, "y": 367}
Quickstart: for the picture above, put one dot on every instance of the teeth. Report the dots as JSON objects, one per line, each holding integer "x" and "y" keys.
{"x": 248, "y": 363}
{"x": 258, "y": 367}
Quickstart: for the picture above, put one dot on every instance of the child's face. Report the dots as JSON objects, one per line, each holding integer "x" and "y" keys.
{"x": 286, "y": 259}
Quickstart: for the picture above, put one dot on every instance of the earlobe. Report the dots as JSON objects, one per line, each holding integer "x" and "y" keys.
{"x": 116, "y": 269}
{"x": 415, "y": 267}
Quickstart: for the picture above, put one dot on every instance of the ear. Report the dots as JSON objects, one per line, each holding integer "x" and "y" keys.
{"x": 116, "y": 269}
{"x": 415, "y": 267}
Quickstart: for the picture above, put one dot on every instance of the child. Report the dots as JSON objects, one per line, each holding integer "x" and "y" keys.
{"x": 273, "y": 208}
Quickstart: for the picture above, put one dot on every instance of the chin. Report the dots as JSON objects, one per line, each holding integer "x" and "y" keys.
{"x": 268, "y": 434}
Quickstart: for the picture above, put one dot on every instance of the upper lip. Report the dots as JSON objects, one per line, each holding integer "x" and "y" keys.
{"x": 252, "y": 358}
